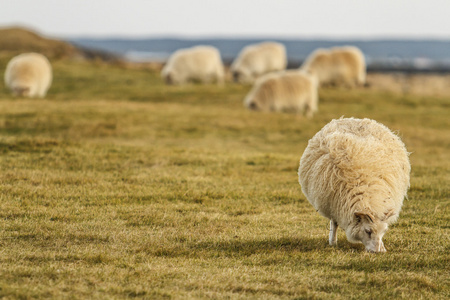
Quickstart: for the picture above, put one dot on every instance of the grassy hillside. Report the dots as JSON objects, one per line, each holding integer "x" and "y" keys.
{"x": 16, "y": 40}
{"x": 117, "y": 186}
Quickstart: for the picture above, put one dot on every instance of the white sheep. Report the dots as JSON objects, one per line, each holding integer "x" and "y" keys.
{"x": 258, "y": 59}
{"x": 28, "y": 75}
{"x": 196, "y": 64}
{"x": 355, "y": 172}
{"x": 337, "y": 66}
{"x": 284, "y": 91}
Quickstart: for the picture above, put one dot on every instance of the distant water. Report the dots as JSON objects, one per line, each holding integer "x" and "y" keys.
{"x": 394, "y": 54}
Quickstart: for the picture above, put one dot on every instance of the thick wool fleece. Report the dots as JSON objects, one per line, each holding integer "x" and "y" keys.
{"x": 344, "y": 66}
{"x": 284, "y": 91}
{"x": 258, "y": 59}
{"x": 29, "y": 75}
{"x": 354, "y": 165}
{"x": 197, "y": 64}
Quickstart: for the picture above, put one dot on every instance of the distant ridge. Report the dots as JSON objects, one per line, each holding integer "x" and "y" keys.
{"x": 17, "y": 40}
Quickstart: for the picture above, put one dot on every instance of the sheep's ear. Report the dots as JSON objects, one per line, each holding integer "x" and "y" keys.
{"x": 390, "y": 213}
{"x": 363, "y": 215}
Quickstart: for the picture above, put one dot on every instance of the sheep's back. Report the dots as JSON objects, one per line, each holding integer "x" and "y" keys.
{"x": 195, "y": 60}
{"x": 261, "y": 58}
{"x": 285, "y": 90}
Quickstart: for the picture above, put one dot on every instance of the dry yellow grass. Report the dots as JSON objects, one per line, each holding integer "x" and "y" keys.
{"x": 411, "y": 84}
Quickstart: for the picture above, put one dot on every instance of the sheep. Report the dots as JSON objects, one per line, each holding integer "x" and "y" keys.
{"x": 284, "y": 91}
{"x": 28, "y": 75}
{"x": 343, "y": 66}
{"x": 356, "y": 172}
{"x": 258, "y": 59}
{"x": 196, "y": 64}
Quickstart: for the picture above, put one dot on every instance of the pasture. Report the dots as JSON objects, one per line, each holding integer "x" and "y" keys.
{"x": 117, "y": 186}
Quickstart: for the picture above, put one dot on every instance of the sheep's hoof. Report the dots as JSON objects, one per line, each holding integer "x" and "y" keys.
{"x": 372, "y": 251}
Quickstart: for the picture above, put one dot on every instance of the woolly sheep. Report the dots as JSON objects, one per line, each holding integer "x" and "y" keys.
{"x": 28, "y": 75}
{"x": 356, "y": 172}
{"x": 258, "y": 59}
{"x": 337, "y": 66}
{"x": 284, "y": 91}
{"x": 196, "y": 64}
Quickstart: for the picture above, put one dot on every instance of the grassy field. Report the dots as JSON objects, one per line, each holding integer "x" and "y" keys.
{"x": 117, "y": 186}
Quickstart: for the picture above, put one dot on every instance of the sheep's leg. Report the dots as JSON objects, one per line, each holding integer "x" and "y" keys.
{"x": 333, "y": 233}
{"x": 308, "y": 111}
{"x": 382, "y": 248}
{"x": 309, "y": 114}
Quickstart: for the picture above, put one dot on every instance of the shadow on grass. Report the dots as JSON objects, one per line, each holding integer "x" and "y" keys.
{"x": 388, "y": 262}
{"x": 30, "y": 145}
{"x": 235, "y": 247}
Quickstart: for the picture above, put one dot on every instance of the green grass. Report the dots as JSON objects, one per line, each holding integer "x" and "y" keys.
{"x": 117, "y": 186}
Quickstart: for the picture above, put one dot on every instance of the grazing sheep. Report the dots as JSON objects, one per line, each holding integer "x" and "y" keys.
{"x": 356, "y": 172}
{"x": 256, "y": 60}
{"x": 284, "y": 91}
{"x": 28, "y": 75}
{"x": 196, "y": 64}
{"x": 337, "y": 66}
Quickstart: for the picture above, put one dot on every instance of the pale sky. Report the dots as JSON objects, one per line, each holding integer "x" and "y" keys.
{"x": 232, "y": 18}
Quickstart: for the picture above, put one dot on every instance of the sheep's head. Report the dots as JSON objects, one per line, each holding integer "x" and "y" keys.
{"x": 21, "y": 91}
{"x": 236, "y": 75}
{"x": 369, "y": 230}
{"x": 170, "y": 78}
{"x": 241, "y": 76}
{"x": 169, "y": 75}
{"x": 257, "y": 101}
{"x": 251, "y": 103}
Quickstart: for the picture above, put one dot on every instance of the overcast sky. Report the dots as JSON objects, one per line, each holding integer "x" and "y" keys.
{"x": 232, "y": 18}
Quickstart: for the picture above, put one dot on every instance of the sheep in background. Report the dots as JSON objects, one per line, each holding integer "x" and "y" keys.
{"x": 337, "y": 66}
{"x": 256, "y": 60}
{"x": 356, "y": 172}
{"x": 284, "y": 91}
{"x": 196, "y": 64}
{"x": 28, "y": 75}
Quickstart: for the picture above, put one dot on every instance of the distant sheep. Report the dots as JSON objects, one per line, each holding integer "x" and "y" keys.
{"x": 337, "y": 66}
{"x": 356, "y": 173}
{"x": 197, "y": 64}
{"x": 28, "y": 75}
{"x": 256, "y": 60}
{"x": 284, "y": 91}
